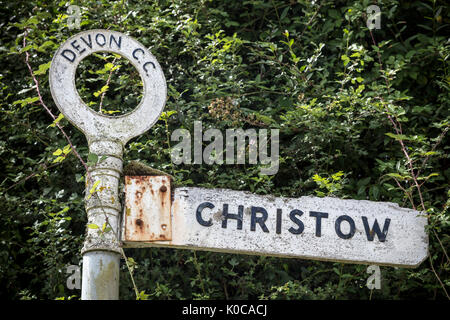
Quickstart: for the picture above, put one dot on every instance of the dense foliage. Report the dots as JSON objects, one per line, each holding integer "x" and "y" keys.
{"x": 362, "y": 114}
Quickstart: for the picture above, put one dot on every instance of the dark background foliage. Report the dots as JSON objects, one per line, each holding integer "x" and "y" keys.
{"x": 309, "y": 68}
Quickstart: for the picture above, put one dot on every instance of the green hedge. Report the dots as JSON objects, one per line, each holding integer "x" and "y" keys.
{"x": 372, "y": 106}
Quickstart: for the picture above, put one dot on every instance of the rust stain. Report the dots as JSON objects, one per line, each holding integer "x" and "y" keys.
{"x": 148, "y": 213}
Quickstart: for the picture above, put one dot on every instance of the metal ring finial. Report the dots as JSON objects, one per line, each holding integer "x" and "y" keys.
{"x": 98, "y": 126}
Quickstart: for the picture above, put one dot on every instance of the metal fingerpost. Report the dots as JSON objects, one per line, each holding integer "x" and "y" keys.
{"x": 106, "y": 136}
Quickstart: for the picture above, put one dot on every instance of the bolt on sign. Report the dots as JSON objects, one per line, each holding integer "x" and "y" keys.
{"x": 329, "y": 229}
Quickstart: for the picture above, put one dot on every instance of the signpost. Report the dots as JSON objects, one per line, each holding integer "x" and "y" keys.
{"x": 106, "y": 137}
{"x": 206, "y": 219}
{"x": 330, "y": 229}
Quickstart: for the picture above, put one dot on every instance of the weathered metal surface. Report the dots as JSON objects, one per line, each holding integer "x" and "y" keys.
{"x": 100, "y": 279}
{"x": 106, "y": 137}
{"x": 328, "y": 229}
{"x": 94, "y": 125}
{"x": 147, "y": 208}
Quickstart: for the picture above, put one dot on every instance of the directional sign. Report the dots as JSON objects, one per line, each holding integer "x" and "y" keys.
{"x": 330, "y": 229}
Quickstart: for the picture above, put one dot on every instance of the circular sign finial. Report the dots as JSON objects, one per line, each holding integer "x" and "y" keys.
{"x": 94, "y": 125}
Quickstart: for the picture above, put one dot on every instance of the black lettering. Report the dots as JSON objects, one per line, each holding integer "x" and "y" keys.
{"x": 68, "y": 58}
{"x": 118, "y": 43}
{"x": 145, "y": 68}
{"x": 135, "y": 51}
{"x": 292, "y": 216}
{"x": 89, "y": 44}
{"x": 259, "y": 220}
{"x": 376, "y": 229}
{"x": 198, "y": 214}
{"x": 237, "y": 217}
{"x": 278, "y": 228}
{"x": 77, "y": 47}
{"x": 337, "y": 227}
{"x": 104, "y": 39}
{"x": 318, "y": 216}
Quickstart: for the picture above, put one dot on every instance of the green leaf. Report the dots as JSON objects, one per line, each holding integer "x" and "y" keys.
{"x": 58, "y": 159}
{"x": 166, "y": 115}
{"x": 43, "y": 68}
{"x": 434, "y": 174}
{"x": 397, "y": 136}
{"x": 57, "y": 152}
{"x": 93, "y": 158}
{"x": 396, "y": 175}
{"x": 94, "y": 187}
{"x": 284, "y": 13}
{"x": 142, "y": 296}
{"x": 33, "y": 20}
{"x": 364, "y": 182}
{"x": 102, "y": 90}
{"x": 109, "y": 66}
{"x": 92, "y": 226}
{"x": 67, "y": 149}
{"x": 360, "y": 88}
{"x": 345, "y": 59}
{"x": 57, "y": 120}
{"x": 337, "y": 176}
{"x": 375, "y": 191}
{"x": 26, "y": 101}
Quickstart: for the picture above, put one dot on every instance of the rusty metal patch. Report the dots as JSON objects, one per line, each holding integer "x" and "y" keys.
{"x": 147, "y": 208}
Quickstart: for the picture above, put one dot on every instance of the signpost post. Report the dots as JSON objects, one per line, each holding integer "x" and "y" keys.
{"x": 106, "y": 137}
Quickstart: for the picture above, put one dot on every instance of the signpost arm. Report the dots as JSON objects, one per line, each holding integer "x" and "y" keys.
{"x": 101, "y": 250}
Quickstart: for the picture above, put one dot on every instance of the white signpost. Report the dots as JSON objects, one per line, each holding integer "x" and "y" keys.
{"x": 106, "y": 137}
{"x": 207, "y": 219}
{"x": 330, "y": 229}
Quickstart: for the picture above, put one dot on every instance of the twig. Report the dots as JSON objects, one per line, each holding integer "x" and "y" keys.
{"x": 434, "y": 271}
{"x": 439, "y": 140}
{"x": 31, "y": 175}
{"x": 27, "y": 58}
{"x": 107, "y": 84}
{"x": 398, "y": 129}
